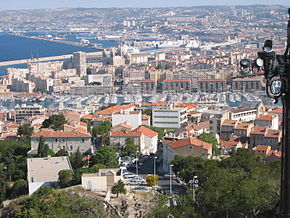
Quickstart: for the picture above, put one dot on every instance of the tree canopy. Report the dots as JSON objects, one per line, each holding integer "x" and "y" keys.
{"x": 207, "y": 137}
{"x": 55, "y": 122}
{"x": 243, "y": 185}
{"x": 102, "y": 129}
{"x": 119, "y": 188}
{"x": 106, "y": 156}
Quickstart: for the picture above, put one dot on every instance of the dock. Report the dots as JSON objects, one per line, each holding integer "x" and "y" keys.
{"x": 33, "y": 60}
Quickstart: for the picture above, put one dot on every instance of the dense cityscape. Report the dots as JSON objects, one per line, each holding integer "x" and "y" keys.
{"x": 151, "y": 115}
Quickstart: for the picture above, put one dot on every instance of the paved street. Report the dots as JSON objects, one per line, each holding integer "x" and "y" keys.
{"x": 148, "y": 168}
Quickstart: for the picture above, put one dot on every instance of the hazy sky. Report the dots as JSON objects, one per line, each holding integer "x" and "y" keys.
{"x": 35, "y": 4}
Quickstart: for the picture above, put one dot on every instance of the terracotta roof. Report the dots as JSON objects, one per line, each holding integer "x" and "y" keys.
{"x": 247, "y": 79}
{"x": 277, "y": 111}
{"x": 266, "y": 117}
{"x": 177, "y": 80}
{"x": 262, "y": 148}
{"x": 188, "y": 106}
{"x": 146, "y": 131}
{"x": 71, "y": 112}
{"x": 124, "y": 134}
{"x": 243, "y": 125}
{"x": 110, "y": 110}
{"x": 125, "y": 126}
{"x": 258, "y": 130}
{"x": 13, "y": 125}
{"x": 53, "y": 134}
{"x": 229, "y": 123}
{"x": 238, "y": 110}
{"x": 272, "y": 133}
{"x": 189, "y": 141}
{"x": 88, "y": 116}
{"x": 229, "y": 144}
{"x": 211, "y": 80}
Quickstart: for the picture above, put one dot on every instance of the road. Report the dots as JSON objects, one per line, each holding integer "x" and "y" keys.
{"x": 148, "y": 168}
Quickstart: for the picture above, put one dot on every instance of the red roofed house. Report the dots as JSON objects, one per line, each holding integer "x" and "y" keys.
{"x": 270, "y": 120}
{"x": 69, "y": 141}
{"x": 184, "y": 147}
{"x": 212, "y": 85}
{"x": 71, "y": 116}
{"x": 143, "y": 137}
{"x": 262, "y": 149}
{"x": 278, "y": 111}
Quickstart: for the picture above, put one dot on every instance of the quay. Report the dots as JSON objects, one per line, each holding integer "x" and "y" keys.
{"x": 33, "y": 60}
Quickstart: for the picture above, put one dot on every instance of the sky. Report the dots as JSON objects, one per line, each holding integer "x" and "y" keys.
{"x": 39, "y": 4}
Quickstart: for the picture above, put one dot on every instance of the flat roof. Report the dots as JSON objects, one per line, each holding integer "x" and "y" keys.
{"x": 45, "y": 169}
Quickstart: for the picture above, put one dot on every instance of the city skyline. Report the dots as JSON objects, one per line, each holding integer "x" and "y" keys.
{"x": 33, "y": 4}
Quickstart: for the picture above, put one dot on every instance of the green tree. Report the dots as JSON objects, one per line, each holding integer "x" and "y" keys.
{"x": 207, "y": 137}
{"x": 89, "y": 124}
{"x": 130, "y": 148}
{"x": 25, "y": 130}
{"x": 76, "y": 160}
{"x": 43, "y": 148}
{"x": 106, "y": 156}
{"x": 19, "y": 188}
{"x": 102, "y": 129}
{"x": 152, "y": 180}
{"x": 65, "y": 178}
{"x": 119, "y": 188}
{"x": 61, "y": 152}
{"x": 55, "y": 122}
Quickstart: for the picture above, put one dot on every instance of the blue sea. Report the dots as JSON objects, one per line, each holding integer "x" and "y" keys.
{"x": 17, "y": 48}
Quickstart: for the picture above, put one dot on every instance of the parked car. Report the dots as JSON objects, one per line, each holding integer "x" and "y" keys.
{"x": 172, "y": 175}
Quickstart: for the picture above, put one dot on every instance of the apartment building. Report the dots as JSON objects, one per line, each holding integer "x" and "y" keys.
{"x": 23, "y": 111}
{"x": 212, "y": 85}
{"x": 176, "y": 86}
{"x": 170, "y": 117}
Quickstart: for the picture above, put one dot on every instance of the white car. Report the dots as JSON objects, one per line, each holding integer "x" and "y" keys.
{"x": 172, "y": 175}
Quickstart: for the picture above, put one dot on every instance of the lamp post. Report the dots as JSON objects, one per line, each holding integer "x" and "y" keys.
{"x": 277, "y": 75}
{"x": 170, "y": 180}
{"x": 136, "y": 164}
{"x": 154, "y": 169}
{"x": 194, "y": 183}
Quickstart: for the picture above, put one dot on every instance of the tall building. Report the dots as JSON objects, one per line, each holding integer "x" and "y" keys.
{"x": 169, "y": 117}
{"x": 22, "y": 111}
{"x": 79, "y": 62}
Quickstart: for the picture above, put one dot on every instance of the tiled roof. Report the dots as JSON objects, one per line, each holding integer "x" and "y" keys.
{"x": 262, "y": 148}
{"x": 71, "y": 112}
{"x": 229, "y": 144}
{"x": 125, "y": 126}
{"x": 238, "y": 110}
{"x": 54, "y": 134}
{"x": 189, "y": 141}
{"x": 110, "y": 110}
{"x": 229, "y": 123}
{"x": 272, "y": 133}
{"x": 258, "y": 130}
{"x": 188, "y": 106}
{"x": 266, "y": 117}
{"x": 124, "y": 134}
{"x": 211, "y": 80}
{"x": 88, "y": 116}
{"x": 277, "y": 111}
{"x": 177, "y": 80}
{"x": 243, "y": 125}
{"x": 146, "y": 131}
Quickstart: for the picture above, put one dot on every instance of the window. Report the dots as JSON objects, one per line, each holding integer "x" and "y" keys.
{"x": 55, "y": 140}
{"x": 83, "y": 140}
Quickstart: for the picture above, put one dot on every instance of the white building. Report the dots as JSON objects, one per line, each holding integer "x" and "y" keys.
{"x": 102, "y": 181}
{"x": 169, "y": 117}
{"x": 44, "y": 171}
{"x": 131, "y": 118}
{"x": 243, "y": 114}
{"x": 69, "y": 141}
{"x": 22, "y": 111}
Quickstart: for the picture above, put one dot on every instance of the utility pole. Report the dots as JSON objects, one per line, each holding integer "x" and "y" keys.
{"x": 277, "y": 74}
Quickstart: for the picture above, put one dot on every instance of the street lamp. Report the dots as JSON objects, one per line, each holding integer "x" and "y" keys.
{"x": 154, "y": 169}
{"x": 277, "y": 75}
{"x": 170, "y": 180}
{"x": 194, "y": 183}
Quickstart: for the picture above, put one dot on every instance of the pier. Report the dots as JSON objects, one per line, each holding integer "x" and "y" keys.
{"x": 33, "y": 60}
